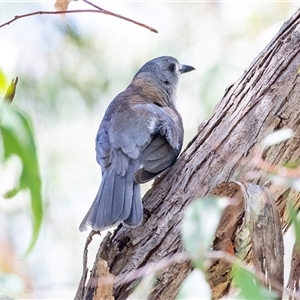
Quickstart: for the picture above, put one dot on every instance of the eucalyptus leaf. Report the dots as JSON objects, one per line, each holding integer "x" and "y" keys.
{"x": 195, "y": 286}
{"x": 144, "y": 287}
{"x": 18, "y": 139}
{"x": 11, "y": 90}
{"x": 3, "y": 82}
{"x": 249, "y": 286}
{"x": 293, "y": 213}
{"x": 277, "y": 136}
{"x": 199, "y": 226}
{"x": 10, "y": 284}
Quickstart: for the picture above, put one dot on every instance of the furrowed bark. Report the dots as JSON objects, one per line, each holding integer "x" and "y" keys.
{"x": 264, "y": 99}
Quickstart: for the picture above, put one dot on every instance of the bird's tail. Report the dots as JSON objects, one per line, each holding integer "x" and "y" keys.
{"x": 118, "y": 200}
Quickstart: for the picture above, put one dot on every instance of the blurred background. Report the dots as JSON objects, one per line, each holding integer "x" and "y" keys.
{"x": 68, "y": 76}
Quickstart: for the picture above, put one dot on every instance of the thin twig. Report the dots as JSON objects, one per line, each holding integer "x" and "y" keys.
{"x": 151, "y": 268}
{"x": 102, "y": 11}
{"x": 289, "y": 173}
{"x": 80, "y": 290}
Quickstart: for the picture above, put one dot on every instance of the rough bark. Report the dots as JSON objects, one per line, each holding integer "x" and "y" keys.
{"x": 251, "y": 230}
{"x": 264, "y": 99}
{"x": 293, "y": 283}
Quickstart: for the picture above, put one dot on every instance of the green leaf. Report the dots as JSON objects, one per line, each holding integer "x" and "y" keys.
{"x": 249, "y": 287}
{"x": 199, "y": 226}
{"x": 12, "y": 193}
{"x": 292, "y": 164}
{"x": 11, "y": 91}
{"x": 3, "y": 82}
{"x": 293, "y": 213}
{"x": 195, "y": 286}
{"x": 18, "y": 139}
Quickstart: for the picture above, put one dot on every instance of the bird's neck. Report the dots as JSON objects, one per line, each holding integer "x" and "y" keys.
{"x": 150, "y": 90}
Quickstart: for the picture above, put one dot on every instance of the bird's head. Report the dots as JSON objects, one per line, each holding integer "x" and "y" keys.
{"x": 165, "y": 72}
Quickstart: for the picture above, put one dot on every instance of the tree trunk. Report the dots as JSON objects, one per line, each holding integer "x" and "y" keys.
{"x": 265, "y": 99}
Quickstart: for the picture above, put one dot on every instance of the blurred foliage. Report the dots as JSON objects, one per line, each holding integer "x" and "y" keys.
{"x": 11, "y": 285}
{"x": 17, "y": 135}
{"x": 277, "y": 137}
{"x": 198, "y": 231}
{"x": 143, "y": 289}
{"x": 11, "y": 91}
{"x": 277, "y": 177}
{"x": 195, "y": 287}
{"x": 3, "y": 82}
{"x": 293, "y": 213}
{"x": 74, "y": 74}
{"x": 249, "y": 287}
{"x": 199, "y": 226}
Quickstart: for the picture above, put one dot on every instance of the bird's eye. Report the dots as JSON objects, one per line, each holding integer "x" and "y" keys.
{"x": 172, "y": 68}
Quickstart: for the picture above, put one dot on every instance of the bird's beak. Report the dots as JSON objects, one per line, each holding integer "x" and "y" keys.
{"x": 186, "y": 68}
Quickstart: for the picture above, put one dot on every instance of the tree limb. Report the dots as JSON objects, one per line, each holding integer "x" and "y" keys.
{"x": 264, "y": 99}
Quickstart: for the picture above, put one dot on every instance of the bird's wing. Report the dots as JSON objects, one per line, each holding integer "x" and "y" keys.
{"x": 166, "y": 130}
{"x": 103, "y": 149}
{"x": 122, "y": 137}
{"x": 156, "y": 158}
{"x": 145, "y": 132}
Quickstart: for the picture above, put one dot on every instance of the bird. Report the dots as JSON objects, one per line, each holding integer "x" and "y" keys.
{"x": 139, "y": 138}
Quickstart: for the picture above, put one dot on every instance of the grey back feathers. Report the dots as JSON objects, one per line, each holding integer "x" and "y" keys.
{"x": 139, "y": 137}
